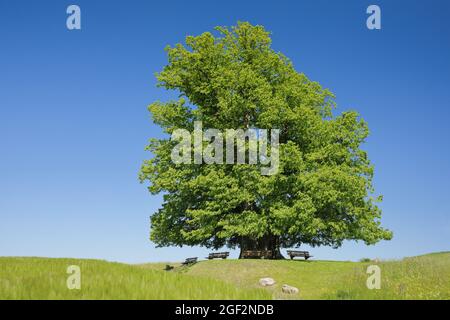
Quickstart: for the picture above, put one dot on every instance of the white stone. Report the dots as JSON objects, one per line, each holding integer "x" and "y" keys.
{"x": 266, "y": 282}
{"x": 289, "y": 289}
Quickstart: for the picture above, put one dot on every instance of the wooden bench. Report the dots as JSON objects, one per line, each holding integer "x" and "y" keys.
{"x": 222, "y": 255}
{"x": 249, "y": 254}
{"x": 304, "y": 254}
{"x": 190, "y": 261}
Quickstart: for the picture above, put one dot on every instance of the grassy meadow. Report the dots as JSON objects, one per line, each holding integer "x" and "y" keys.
{"x": 422, "y": 277}
{"x": 44, "y": 278}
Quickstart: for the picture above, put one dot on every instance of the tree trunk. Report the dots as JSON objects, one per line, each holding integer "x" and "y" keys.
{"x": 267, "y": 243}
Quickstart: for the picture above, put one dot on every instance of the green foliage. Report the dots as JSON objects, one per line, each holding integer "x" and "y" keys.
{"x": 322, "y": 193}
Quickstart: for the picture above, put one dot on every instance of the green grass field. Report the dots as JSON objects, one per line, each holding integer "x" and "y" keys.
{"x": 43, "y": 278}
{"x": 423, "y": 277}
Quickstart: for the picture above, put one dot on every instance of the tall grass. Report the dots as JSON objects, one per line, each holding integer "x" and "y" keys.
{"x": 42, "y": 278}
{"x": 424, "y": 277}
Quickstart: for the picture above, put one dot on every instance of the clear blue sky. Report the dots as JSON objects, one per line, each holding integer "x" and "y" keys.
{"x": 74, "y": 120}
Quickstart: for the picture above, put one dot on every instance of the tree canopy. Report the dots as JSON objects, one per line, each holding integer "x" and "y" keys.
{"x": 322, "y": 193}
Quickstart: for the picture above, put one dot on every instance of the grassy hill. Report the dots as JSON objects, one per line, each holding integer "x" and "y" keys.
{"x": 423, "y": 277}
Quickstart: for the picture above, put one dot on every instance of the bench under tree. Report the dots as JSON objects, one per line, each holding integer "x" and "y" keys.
{"x": 190, "y": 261}
{"x": 303, "y": 254}
{"x": 258, "y": 254}
{"x": 217, "y": 255}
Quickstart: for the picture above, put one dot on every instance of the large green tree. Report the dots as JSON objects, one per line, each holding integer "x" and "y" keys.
{"x": 322, "y": 193}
